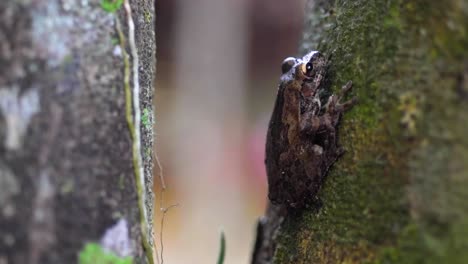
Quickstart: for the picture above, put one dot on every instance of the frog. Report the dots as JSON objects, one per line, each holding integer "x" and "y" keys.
{"x": 302, "y": 138}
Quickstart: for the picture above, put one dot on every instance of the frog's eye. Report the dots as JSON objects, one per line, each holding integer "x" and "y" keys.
{"x": 309, "y": 68}
{"x": 287, "y": 64}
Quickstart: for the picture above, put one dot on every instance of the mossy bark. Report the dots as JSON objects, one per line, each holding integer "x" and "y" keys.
{"x": 399, "y": 193}
{"x": 66, "y": 173}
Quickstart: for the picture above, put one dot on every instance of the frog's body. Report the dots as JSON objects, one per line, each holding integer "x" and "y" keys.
{"x": 301, "y": 140}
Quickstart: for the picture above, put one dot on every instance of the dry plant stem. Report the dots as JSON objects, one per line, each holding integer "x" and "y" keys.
{"x": 164, "y": 211}
{"x": 136, "y": 93}
{"x": 161, "y": 177}
{"x": 133, "y": 121}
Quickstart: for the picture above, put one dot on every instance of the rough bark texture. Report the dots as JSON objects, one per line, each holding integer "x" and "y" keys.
{"x": 399, "y": 193}
{"x": 66, "y": 173}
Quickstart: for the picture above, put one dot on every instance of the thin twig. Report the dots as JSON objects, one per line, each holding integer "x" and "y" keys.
{"x": 161, "y": 177}
{"x": 164, "y": 211}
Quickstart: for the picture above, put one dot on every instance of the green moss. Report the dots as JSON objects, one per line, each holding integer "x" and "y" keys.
{"x": 146, "y": 118}
{"x": 416, "y": 245}
{"x": 403, "y": 139}
{"x": 94, "y": 254}
{"x": 148, "y": 152}
{"x": 148, "y": 16}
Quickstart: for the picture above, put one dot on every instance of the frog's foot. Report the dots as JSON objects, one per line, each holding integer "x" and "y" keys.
{"x": 343, "y": 107}
{"x": 335, "y": 107}
{"x": 345, "y": 89}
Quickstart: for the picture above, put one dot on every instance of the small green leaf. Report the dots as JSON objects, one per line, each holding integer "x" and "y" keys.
{"x": 111, "y": 5}
{"x": 94, "y": 254}
{"x": 222, "y": 249}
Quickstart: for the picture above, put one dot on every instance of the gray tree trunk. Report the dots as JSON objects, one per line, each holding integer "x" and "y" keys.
{"x": 399, "y": 194}
{"x": 66, "y": 162}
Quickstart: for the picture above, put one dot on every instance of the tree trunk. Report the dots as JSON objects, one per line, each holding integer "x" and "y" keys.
{"x": 68, "y": 162}
{"x": 399, "y": 193}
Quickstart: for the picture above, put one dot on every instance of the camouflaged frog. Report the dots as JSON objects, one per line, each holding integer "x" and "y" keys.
{"x": 302, "y": 134}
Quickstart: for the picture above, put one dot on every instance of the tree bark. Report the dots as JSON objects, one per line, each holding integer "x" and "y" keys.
{"x": 66, "y": 162}
{"x": 398, "y": 195}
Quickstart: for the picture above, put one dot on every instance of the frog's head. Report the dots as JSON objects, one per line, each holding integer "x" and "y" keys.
{"x": 308, "y": 67}
{"x": 313, "y": 65}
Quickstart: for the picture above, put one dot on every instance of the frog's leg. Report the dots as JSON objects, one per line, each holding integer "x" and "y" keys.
{"x": 311, "y": 124}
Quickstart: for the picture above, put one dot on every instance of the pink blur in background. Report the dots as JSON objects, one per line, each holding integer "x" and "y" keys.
{"x": 217, "y": 72}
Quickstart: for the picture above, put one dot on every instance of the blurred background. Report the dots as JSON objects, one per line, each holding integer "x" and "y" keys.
{"x": 218, "y": 65}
